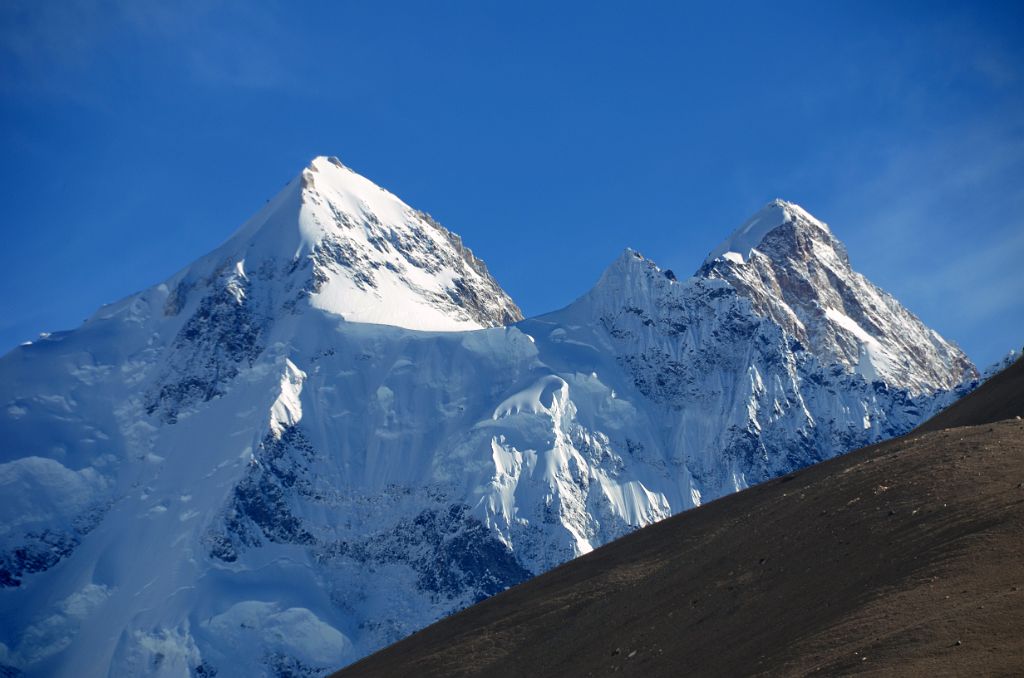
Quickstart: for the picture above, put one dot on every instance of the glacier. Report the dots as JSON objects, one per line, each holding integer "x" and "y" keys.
{"x": 337, "y": 428}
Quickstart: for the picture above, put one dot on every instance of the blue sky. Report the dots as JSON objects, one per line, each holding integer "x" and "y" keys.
{"x": 138, "y": 135}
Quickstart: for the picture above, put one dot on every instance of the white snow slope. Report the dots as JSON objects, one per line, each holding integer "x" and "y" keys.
{"x": 325, "y": 435}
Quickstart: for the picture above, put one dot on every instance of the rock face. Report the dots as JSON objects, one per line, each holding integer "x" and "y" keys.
{"x": 798, "y": 274}
{"x": 336, "y": 429}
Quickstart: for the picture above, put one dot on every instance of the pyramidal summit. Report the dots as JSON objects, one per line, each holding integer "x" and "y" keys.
{"x": 355, "y": 250}
{"x": 795, "y": 271}
{"x": 337, "y": 428}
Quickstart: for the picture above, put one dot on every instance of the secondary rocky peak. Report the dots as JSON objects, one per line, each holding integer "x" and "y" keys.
{"x": 775, "y": 216}
{"x": 795, "y": 271}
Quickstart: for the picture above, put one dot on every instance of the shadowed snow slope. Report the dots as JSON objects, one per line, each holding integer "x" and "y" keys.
{"x": 328, "y": 426}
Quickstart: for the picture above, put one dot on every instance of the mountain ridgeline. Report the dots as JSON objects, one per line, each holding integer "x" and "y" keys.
{"x": 337, "y": 428}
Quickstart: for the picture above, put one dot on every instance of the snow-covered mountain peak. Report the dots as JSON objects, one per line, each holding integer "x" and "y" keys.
{"x": 738, "y": 246}
{"x": 335, "y": 240}
{"x": 629, "y": 263}
{"x": 327, "y": 177}
{"x": 630, "y": 281}
{"x": 631, "y": 267}
{"x": 795, "y": 271}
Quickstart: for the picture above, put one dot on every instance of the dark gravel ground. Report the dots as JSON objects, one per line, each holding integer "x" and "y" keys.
{"x": 905, "y": 558}
{"x": 999, "y": 398}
